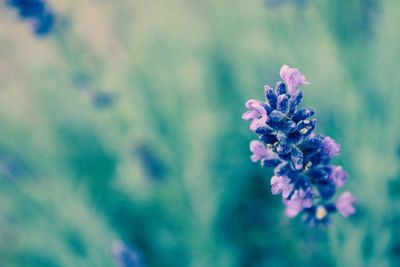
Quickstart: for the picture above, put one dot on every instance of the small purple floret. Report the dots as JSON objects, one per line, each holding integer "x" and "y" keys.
{"x": 292, "y": 207}
{"x": 256, "y": 113}
{"x": 345, "y": 204}
{"x": 338, "y": 176}
{"x": 292, "y": 77}
{"x": 259, "y": 151}
{"x": 281, "y": 184}
{"x": 299, "y": 200}
{"x": 330, "y": 147}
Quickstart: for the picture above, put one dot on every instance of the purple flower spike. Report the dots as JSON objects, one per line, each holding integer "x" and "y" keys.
{"x": 345, "y": 204}
{"x": 281, "y": 184}
{"x": 256, "y": 113}
{"x": 292, "y": 77}
{"x": 338, "y": 176}
{"x": 300, "y": 158}
{"x": 330, "y": 147}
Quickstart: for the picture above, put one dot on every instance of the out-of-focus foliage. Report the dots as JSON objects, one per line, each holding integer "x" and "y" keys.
{"x": 124, "y": 123}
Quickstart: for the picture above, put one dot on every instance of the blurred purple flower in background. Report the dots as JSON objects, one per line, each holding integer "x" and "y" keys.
{"x": 300, "y": 158}
{"x": 103, "y": 100}
{"x": 37, "y": 12}
{"x": 12, "y": 166}
{"x": 126, "y": 256}
{"x": 152, "y": 165}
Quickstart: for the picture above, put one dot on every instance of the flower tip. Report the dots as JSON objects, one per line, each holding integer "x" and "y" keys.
{"x": 249, "y": 103}
{"x": 292, "y": 77}
{"x": 267, "y": 87}
{"x": 246, "y": 116}
{"x": 292, "y": 211}
{"x": 283, "y": 71}
{"x": 254, "y": 158}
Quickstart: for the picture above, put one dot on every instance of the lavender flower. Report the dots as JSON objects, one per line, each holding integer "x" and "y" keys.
{"x": 300, "y": 158}
{"x": 37, "y": 12}
{"x": 125, "y": 256}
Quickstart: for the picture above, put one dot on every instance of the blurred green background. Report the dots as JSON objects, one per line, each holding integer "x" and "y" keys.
{"x": 125, "y": 124}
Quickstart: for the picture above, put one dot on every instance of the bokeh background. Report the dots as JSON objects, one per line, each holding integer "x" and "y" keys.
{"x": 124, "y": 123}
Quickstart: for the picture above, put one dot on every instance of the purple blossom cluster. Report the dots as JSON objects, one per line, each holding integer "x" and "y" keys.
{"x": 37, "y": 12}
{"x": 301, "y": 159}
